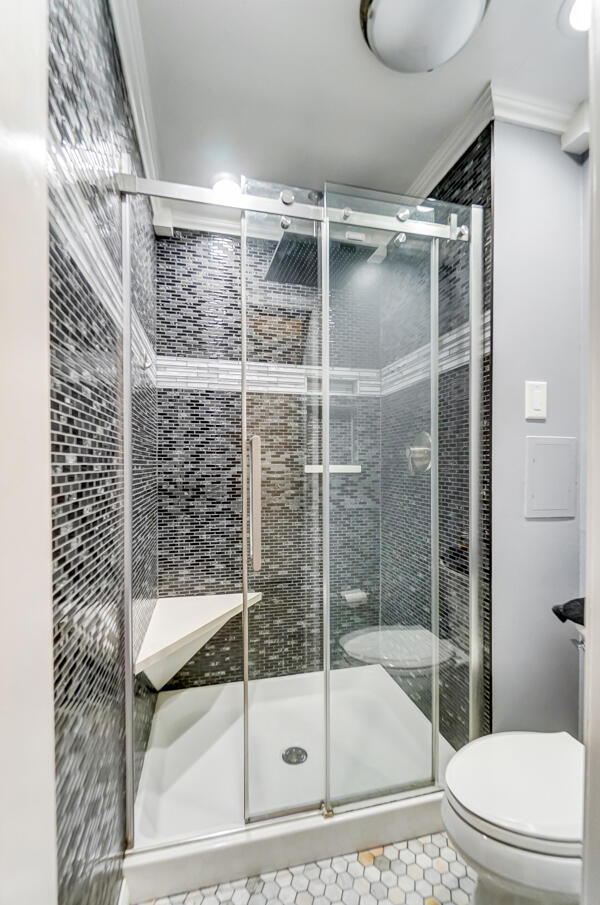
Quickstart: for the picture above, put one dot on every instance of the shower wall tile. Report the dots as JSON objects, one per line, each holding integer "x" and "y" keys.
{"x": 405, "y": 534}
{"x": 87, "y": 488}
{"x": 200, "y": 459}
{"x": 470, "y": 182}
{"x": 354, "y": 517}
{"x": 199, "y": 492}
{"x": 200, "y": 533}
{"x": 200, "y": 519}
{"x": 199, "y": 302}
{"x": 198, "y": 296}
{"x": 405, "y": 301}
{"x": 90, "y": 126}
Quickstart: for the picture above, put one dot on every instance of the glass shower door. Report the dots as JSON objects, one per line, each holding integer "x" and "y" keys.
{"x": 381, "y": 442}
{"x": 283, "y": 562}
{"x": 401, "y": 488}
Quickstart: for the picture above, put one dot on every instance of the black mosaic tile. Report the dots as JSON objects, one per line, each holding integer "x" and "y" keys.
{"x": 90, "y": 126}
{"x": 470, "y": 182}
{"x": 87, "y": 531}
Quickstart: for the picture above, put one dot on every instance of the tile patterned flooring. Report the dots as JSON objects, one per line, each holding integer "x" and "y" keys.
{"x": 424, "y": 871}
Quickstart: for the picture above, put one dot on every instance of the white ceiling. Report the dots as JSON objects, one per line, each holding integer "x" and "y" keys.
{"x": 287, "y": 90}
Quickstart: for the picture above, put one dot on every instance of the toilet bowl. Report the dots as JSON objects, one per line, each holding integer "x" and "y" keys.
{"x": 513, "y": 808}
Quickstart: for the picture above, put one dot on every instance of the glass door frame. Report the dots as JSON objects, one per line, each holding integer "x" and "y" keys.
{"x": 128, "y": 185}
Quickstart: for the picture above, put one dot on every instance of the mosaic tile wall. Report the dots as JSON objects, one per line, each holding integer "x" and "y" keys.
{"x": 378, "y": 540}
{"x": 470, "y": 182}
{"x": 88, "y": 584}
{"x": 89, "y": 127}
{"x": 424, "y": 871}
{"x": 200, "y": 472}
{"x": 354, "y": 517}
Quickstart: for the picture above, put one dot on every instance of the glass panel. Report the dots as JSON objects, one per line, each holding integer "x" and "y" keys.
{"x": 398, "y": 207}
{"x": 186, "y": 408}
{"x": 398, "y": 497}
{"x": 285, "y": 614}
{"x": 454, "y": 467}
{"x": 380, "y": 502}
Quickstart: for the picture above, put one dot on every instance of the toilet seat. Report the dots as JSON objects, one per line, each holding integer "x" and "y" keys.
{"x": 524, "y": 789}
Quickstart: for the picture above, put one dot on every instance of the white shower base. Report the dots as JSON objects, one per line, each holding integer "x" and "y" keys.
{"x": 192, "y": 779}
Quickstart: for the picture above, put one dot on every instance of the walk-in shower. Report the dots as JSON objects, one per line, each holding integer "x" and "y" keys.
{"x": 313, "y": 640}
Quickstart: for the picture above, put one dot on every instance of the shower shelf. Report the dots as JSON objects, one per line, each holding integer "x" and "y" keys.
{"x": 333, "y": 469}
{"x": 179, "y": 627}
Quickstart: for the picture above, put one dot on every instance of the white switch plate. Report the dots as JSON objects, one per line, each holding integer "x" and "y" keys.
{"x": 536, "y": 396}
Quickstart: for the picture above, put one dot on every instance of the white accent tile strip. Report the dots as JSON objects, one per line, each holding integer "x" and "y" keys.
{"x": 454, "y": 351}
{"x": 334, "y": 469}
{"x": 267, "y": 377}
{"x": 263, "y": 377}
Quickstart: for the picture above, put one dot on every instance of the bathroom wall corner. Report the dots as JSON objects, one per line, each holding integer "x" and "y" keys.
{"x": 27, "y": 793}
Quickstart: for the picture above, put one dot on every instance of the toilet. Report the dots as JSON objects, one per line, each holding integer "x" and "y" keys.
{"x": 513, "y": 808}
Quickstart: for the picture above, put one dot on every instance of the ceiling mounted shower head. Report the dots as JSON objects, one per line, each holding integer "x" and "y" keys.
{"x": 419, "y": 35}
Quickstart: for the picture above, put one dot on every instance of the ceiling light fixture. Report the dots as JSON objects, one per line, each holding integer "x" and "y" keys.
{"x": 575, "y": 17}
{"x": 226, "y": 186}
{"x": 419, "y": 35}
{"x": 580, "y": 17}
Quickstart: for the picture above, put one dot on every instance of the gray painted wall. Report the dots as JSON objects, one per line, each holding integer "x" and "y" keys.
{"x": 538, "y": 297}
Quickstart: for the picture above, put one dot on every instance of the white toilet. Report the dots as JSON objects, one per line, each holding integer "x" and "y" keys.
{"x": 513, "y": 808}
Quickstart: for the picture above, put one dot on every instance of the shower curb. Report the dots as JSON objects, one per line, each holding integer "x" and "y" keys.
{"x": 185, "y": 866}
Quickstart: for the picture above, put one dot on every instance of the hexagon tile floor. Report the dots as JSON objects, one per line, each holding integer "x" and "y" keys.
{"x": 424, "y": 871}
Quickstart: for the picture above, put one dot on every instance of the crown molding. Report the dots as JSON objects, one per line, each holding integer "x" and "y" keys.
{"x": 454, "y": 146}
{"x": 576, "y": 137}
{"x": 128, "y": 31}
{"x": 535, "y": 114}
{"x": 491, "y": 104}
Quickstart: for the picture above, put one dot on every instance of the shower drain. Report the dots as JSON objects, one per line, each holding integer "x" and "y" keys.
{"x": 294, "y": 755}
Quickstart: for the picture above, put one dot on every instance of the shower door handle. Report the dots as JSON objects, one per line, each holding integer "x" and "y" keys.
{"x": 255, "y": 504}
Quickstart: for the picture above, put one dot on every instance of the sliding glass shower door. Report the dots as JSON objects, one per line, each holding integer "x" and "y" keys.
{"x": 401, "y": 492}
{"x": 382, "y": 586}
{"x": 284, "y": 601}
{"x": 315, "y": 395}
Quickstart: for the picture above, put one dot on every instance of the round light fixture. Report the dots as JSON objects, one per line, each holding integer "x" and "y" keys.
{"x": 575, "y": 17}
{"x": 225, "y": 185}
{"x": 419, "y": 35}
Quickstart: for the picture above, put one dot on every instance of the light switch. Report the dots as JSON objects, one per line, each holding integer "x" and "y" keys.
{"x": 535, "y": 400}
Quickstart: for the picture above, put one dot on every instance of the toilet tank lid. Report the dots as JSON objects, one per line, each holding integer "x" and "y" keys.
{"x": 530, "y": 783}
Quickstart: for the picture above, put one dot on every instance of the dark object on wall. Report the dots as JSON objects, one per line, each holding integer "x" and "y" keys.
{"x": 571, "y": 611}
